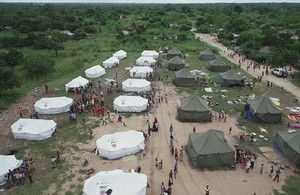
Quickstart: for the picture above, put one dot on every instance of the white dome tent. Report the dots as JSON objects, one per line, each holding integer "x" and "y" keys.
{"x": 145, "y": 61}
{"x": 53, "y": 105}
{"x": 150, "y": 53}
{"x": 119, "y": 181}
{"x": 33, "y": 129}
{"x": 111, "y": 62}
{"x": 130, "y": 104}
{"x": 140, "y": 71}
{"x": 7, "y": 162}
{"x": 121, "y": 54}
{"x": 136, "y": 85}
{"x": 77, "y": 82}
{"x": 95, "y": 71}
{"x": 117, "y": 145}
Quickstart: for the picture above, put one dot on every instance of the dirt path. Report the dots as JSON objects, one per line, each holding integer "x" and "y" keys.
{"x": 224, "y": 51}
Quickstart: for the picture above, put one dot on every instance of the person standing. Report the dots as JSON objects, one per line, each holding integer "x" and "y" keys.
{"x": 207, "y": 189}
{"x": 277, "y": 175}
{"x": 194, "y": 129}
{"x": 30, "y": 177}
{"x": 175, "y": 171}
{"x": 230, "y": 129}
{"x": 171, "y": 176}
{"x": 261, "y": 169}
{"x": 271, "y": 171}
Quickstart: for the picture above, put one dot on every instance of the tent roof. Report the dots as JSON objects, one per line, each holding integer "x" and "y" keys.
{"x": 194, "y": 103}
{"x": 174, "y": 51}
{"x": 112, "y": 60}
{"x": 217, "y": 62}
{"x": 263, "y": 105}
{"x": 8, "y": 162}
{"x": 184, "y": 73}
{"x": 177, "y": 60}
{"x": 39, "y": 128}
{"x": 207, "y": 52}
{"x": 231, "y": 75}
{"x": 118, "y": 180}
{"x": 120, "y": 140}
{"x": 209, "y": 142}
{"x": 292, "y": 139}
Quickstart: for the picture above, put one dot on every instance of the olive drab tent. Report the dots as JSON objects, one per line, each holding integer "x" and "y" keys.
{"x": 176, "y": 63}
{"x": 194, "y": 109}
{"x": 231, "y": 78}
{"x": 218, "y": 65}
{"x": 262, "y": 110}
{"x": 184, "y": 78}
{"x": 173, "y": 53}
{"x": 288, "y": 143}
{"x": 206, "y": 55}
{"x": 209, "y": 150}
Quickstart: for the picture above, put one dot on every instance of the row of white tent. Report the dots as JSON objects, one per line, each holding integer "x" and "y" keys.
{"x": 39, "y": 129}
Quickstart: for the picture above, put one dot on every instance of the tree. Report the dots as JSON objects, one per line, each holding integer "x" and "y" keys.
{"x": 13, "y": 58}
{"x": 8, "y": 79}
{"x": 38, "y": 65}
{"x": 56, "y": 40}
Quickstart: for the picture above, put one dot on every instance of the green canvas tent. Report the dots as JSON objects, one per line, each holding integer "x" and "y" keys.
{"x": 194, "y": 109}
{"x": 231, "y": 78}
{"x": 209, "y": 150}
{"x": 218, "y": 65}
{"x": 184, "y": 78}
{"x": 173, "y": 53}
{"x": 263, "y": 110}
{"x": 289, "y": 145}
{"x": 206, "y": 55}
{"x": 176, "y": 63}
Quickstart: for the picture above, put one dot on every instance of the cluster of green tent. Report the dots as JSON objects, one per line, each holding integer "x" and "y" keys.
{"x": 209, "y": 150}
{"x": 175, "y": 59}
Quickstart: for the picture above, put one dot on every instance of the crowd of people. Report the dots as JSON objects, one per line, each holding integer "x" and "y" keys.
{"x": 21, "y": 174}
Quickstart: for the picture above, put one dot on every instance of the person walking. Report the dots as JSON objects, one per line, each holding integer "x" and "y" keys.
{"x": 277, "y": 175}
{"x": 30, "y": 177}
{"x": 271, "y": 171}
{"x": 175, "y": 171}
{"x": 171, "y": 176}
{"x": 261, "y": 169}
{"x": 207, "y": 189}
{"x": 230, "y": 129}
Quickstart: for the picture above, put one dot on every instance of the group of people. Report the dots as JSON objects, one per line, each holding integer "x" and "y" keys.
{"x": 20, "y": 174}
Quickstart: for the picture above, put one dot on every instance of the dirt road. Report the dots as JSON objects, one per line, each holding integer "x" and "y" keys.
{"x": 224, "y": 51}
